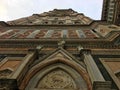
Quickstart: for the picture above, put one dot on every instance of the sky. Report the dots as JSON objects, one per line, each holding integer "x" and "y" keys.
{"x": 14, "y": 9}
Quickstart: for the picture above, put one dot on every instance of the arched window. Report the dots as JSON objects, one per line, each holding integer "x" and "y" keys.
{"x": 60, "y": 22}
{"x": 77, "y": 22}
{"x": 45, "y": 22}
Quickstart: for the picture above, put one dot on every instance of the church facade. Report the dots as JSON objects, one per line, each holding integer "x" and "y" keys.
{"x": 59, "y": 50}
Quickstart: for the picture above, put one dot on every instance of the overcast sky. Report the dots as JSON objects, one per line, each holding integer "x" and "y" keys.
{"x": 14, "y": 9}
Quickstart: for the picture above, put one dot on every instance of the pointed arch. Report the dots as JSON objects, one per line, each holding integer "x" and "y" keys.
{"x": 34, "y": 70}
{"x": 78, "y": 80}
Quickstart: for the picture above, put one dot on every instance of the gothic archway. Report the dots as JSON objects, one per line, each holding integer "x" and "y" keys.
{"x": 62, "y": 57}
{"x": 57, "y": 76}
{"x": 57, "y": 79}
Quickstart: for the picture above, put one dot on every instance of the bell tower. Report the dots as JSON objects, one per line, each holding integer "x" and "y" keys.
{"x": 111, "y": 11}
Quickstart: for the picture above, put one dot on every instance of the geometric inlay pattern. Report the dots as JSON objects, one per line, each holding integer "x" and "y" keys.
{"x": 46, "y": 33}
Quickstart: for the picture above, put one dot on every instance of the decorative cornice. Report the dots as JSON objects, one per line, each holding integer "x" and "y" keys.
{"x": 105, "y": 51}
{"x": 3, "y": 24}
{"x": 91, "y": 23}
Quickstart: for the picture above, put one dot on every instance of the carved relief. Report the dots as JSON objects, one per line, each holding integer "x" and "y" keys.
{"x": 57, "y": 79}
{"x": 5, "y": 73}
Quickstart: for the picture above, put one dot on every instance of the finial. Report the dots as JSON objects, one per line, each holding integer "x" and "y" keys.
{"x": 61, "y": 43}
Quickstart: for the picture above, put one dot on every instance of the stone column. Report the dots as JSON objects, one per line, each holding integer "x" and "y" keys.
{"x": 24, "y": 67}
{"x": 92, "y": 68}
{"x": 96, "y": 77}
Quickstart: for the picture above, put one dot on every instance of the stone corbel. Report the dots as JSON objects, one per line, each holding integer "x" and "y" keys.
{"x": 36, "y": 50}
{"x": 83, "y": 51}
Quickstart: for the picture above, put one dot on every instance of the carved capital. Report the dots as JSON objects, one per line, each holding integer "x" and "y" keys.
{"x": 97, "y": 85}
